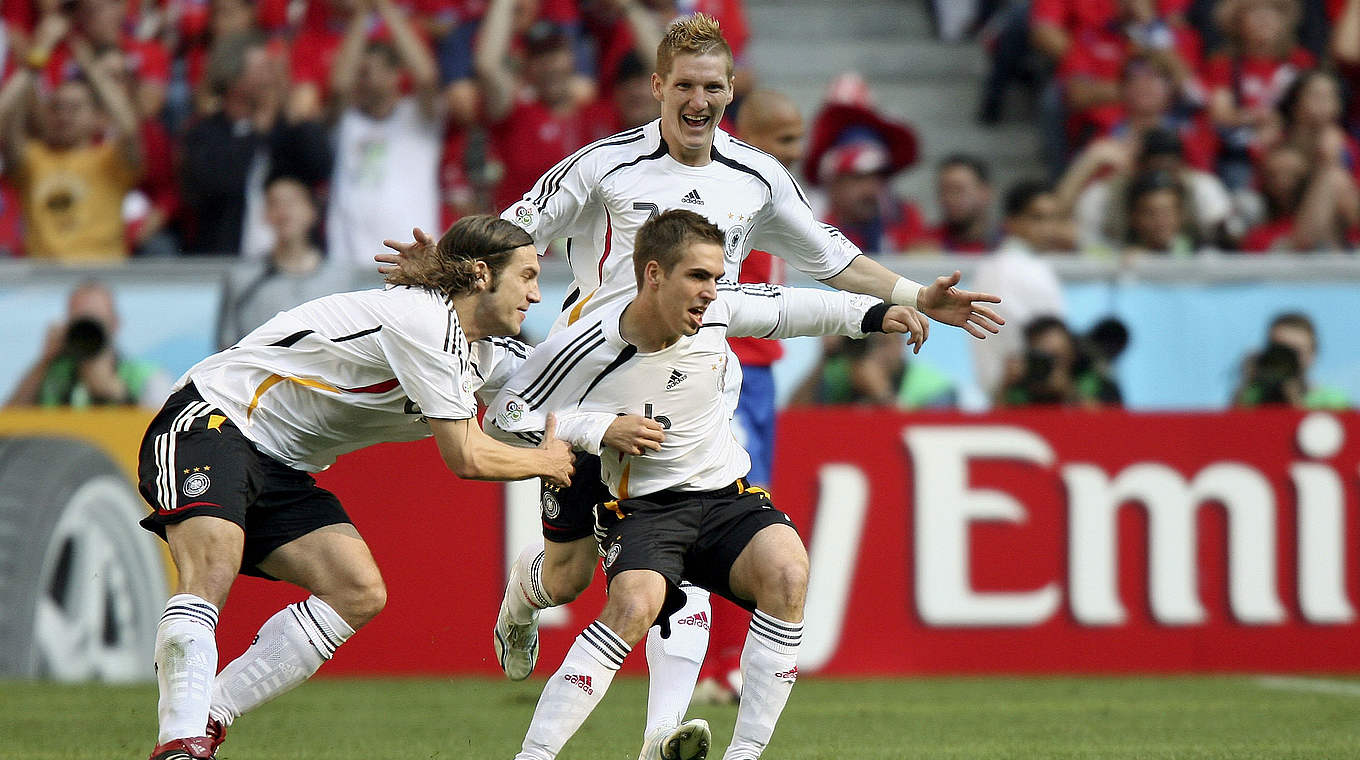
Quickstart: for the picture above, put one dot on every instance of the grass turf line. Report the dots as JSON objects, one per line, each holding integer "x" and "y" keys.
{"x": 335, "y": 719}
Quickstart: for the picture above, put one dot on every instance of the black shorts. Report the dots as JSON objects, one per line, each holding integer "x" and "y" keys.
{"x": 194, "y": 461}
{"x": 569, "y": 513}
{"x": 692, "y": 536}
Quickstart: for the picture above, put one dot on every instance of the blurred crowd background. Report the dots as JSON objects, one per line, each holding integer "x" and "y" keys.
{"x": 288, "y": 138}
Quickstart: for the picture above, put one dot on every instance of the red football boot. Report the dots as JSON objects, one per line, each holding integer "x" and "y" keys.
{"x": 217, "y": 732}
{"x": 196, "y": 748}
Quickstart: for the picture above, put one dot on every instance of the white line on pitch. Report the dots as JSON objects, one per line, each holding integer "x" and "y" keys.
{"x": 1317, "y": 685}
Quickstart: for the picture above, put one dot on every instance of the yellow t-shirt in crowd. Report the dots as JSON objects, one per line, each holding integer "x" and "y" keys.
{"x": 73, "y": 201}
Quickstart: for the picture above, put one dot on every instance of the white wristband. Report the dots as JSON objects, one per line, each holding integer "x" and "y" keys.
{"x": 905, "y": 291}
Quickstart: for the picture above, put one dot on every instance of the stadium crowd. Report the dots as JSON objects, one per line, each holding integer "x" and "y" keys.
{"x": 157, "y": 127}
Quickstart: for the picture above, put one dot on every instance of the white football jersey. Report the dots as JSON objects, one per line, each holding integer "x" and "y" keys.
{"x": 350, "y": 370}
{"x": 600, "y": 196}
{"x": 587, "y": 374}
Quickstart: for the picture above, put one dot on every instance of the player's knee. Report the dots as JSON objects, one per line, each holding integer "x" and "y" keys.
{"x": 363, "y": 600}
{"x": 785, "y": 588}
{"x": 566, "y": 582}
{"x": 630, "y": 617}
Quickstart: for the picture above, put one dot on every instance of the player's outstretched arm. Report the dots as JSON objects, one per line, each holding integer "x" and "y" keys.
{"x": 778, "y": 311}
{"x": 941, "y": 300}
{"x": 472, "y": 454}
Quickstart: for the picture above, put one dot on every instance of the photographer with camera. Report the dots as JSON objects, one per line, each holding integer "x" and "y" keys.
{"x": 1060, "y": 368}
{"x": 80, "y": 367}
{"x": 1278, "y": 373}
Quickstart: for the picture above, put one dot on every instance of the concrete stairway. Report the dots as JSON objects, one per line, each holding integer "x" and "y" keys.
{"x": 798, "y": 46}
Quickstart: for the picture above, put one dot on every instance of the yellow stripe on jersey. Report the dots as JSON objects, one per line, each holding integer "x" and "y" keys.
{"x": 576, "y": 310}
{"x": 275, "y": 379}
{"x": 623, "y": 481}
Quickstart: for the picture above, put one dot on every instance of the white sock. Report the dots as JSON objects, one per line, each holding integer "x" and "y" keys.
{"x": 186, "y": 659}
{"x": 573, "y": 691}
{"x": 525, "y": 594}
{"x": 769, "y": 666}
{"x": 289, "y": 648}
{"x": 673, "y": 664}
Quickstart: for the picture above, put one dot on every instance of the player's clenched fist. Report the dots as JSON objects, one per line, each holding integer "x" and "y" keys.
{"x": 634, "y": 434}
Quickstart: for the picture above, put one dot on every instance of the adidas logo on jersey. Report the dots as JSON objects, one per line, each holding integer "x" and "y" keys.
{"x": 676, "y": 378}
{"x": 698, "y": 620}
{"x": 582, "y": 681}
{"x": 693, "y": 197}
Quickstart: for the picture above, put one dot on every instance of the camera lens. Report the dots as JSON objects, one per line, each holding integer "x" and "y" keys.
{"x": 85, "y": 338}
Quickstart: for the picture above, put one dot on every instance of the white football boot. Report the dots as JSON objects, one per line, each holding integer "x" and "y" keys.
{"x": 687, "y": 741}
{"x": 516, "y": 645}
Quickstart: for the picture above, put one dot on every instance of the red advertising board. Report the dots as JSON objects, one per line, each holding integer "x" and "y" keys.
{"x": 1021, "y": 542}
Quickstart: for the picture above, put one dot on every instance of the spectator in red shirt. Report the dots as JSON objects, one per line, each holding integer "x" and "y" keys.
{"x": 104, "y": 24}
{"x": 1245, "y": 82}
{"x": 1147, "y": 100}
{"x": 854, "y": 153}
{"x": 1092, "y": 69}
{"x": 963, "y": 188}
{"x": 1311, "y": 204}
{"x": 536, "y": 122}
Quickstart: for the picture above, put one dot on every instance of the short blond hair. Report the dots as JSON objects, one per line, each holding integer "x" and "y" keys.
{"x": 692, "y": 35}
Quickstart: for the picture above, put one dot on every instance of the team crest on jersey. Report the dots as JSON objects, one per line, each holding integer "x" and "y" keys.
{"x": 196, "y": 484}
{"x": 733, "y": 240}
{"x": 548, "y": 502}
{"x": 612, "y": 555}
{"x": 524, "y": 216}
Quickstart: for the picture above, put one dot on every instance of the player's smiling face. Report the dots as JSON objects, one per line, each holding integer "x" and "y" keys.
{"x": 501, "y": 308}
{"x": 687, "y": 290}
{"x": 693, "y": 96}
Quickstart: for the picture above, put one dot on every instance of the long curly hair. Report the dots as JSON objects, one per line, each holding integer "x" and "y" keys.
{"x": 451, "y": 267}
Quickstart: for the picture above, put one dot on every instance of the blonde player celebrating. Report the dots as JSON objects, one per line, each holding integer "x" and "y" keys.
{"x": 680, "y": 509}
{"x": 226, "y": 463}
{"x": 598, "y": 198}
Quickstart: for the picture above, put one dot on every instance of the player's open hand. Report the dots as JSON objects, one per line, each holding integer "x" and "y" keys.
{"x": 943, "y": 302}
{"x": 408, "y": 260}
{"x": 560, "y": 461}
{"x": 904, "y": 319}
{"x": 634, "y": 434}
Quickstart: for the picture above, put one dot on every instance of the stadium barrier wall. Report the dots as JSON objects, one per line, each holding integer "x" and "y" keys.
{"x": 1019, "y": 542}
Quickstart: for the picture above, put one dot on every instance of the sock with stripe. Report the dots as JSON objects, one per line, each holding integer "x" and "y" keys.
{"x": 289, "y": 648}
{"x": 186, "y": 659}
{"x": 573, "y": 691}
{"x": 525, "y": 594}
{"x": 673, "y": 663}
{"x": 769, "y": 666}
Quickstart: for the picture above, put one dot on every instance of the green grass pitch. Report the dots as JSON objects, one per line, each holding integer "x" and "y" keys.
{"x": 1021, "y": 718}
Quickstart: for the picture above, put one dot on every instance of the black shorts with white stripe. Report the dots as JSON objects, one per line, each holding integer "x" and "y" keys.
{"x": 693, "y": 536}
{"x": 195, "y": 462}
{"x": 569, "y": 513}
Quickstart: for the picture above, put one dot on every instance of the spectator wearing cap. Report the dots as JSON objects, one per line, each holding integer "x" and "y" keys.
{"x": 854, "y": 153}
{"x": 227, "y": 154}
{"x": 1246, "y": 80}
{"x": 535, "y": 122}
{"x": 1034, "y": 223}
{"x": 387, "y": 144}
{"x": 1309, "y": 206}
{"x": 1101, "y": 207}
{"x": 963, "y": 190}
